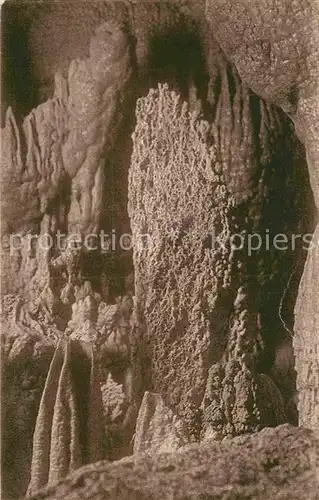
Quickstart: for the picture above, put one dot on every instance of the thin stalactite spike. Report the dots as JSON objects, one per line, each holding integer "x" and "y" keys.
{"x": 95, "y": 417}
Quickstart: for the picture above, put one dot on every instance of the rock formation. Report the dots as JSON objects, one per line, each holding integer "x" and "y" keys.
{"x": 149, "y": 161}
{"x": 276, "y": 463}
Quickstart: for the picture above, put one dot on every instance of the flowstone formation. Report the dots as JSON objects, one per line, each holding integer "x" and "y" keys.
{"x": 278, "y": 60}
{"x": 195, "y": 314}
{"x": 52, "y": 198}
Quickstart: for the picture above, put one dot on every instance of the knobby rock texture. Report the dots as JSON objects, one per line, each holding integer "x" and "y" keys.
{"x": 275, "y": 463}
{"x": 52, "y": 181}
{"x": 195, "y": 308}
{"x": 279, "y": 61}
{"x": 184, "y": 123}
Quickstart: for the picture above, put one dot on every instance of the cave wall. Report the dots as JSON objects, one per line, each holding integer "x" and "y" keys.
{"x": 207, "y": 153}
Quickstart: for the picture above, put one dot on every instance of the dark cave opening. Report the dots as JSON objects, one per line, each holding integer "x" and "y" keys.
{"x": 288, "y": 210}
{"x": 18, "y": 87}
{"x": 177, "y": 57}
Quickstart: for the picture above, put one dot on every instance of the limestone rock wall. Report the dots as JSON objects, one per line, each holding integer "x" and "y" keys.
{"x": 52, "y": 182}
{"x": 275, "y": 463}
{"x": 274, "y": 48}
{"x": 198, "y": 343}
{"x": 194, "y": 304}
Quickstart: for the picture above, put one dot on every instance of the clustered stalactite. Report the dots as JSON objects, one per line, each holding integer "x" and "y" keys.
{"x": 279, "y": 62}
{"x": 53, "y": 182}
{"x": 205, "y": 163}
{"x": 197, "y": 303}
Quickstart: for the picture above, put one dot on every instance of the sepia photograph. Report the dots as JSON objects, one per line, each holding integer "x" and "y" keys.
{"x": 159, "y": 319}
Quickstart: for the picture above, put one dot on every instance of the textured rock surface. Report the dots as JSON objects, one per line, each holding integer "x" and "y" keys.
{"x": 69, "y": 429}
{"x": 274, "y": 46}
{"x": 85, "y": 342}
{"x": 277, "y": 463}
{"x": 25, "y": 360}
{"x": 306, "y": 341}
{"x": 52, "y": 172}
{"x": 194, "y": 304}
{"x": 158, "y": 429}
{"x": 173, "y": 206}
{"x": 67, "y": 139}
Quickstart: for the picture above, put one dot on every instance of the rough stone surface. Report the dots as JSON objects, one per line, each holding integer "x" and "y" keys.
{"x": 86, "y": 340}
{"x": 306, "y": 341}
{"x": 67, "y": 433}
{"x": 25, "y": 360}
{"x": 176, "y": 196}
{"x": 277, "y": 463}
{"x": 158, "y": 429}
{"x": 66, "y": 141}
{"x": 194, "y": 311}
{"x": 52, "y": 182}
{"x": 274, "y": 46}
